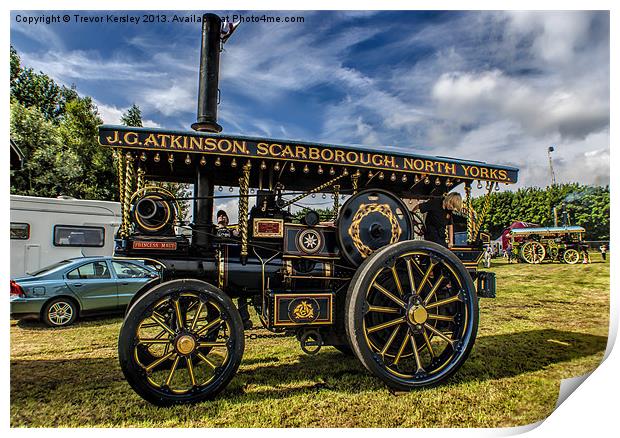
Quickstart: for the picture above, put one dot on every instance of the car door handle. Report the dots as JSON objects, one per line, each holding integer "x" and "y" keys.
{"x": 77, "y": 284}
{"x": 125, "y": 283}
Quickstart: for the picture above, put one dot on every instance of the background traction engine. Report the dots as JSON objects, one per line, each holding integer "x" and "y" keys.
{"x": 535, "y": 245}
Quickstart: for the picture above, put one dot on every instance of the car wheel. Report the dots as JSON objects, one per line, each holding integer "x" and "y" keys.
{"x": 60, "y": 312}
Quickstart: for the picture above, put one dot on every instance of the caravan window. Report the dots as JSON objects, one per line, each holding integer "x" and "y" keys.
{"x": 72, "y": 235}
{"x": 20, "y": 231}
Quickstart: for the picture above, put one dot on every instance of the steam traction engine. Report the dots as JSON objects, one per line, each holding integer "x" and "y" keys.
{"x": 535, "y": 245}
{"x": 362, "y": 280}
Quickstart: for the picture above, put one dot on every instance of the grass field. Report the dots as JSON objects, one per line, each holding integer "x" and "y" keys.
{"x": 548, "y": 323}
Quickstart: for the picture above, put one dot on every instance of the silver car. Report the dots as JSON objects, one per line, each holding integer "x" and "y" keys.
{"x": 60, "y": 293}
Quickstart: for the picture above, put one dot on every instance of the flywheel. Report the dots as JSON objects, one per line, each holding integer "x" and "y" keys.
{"x": 370, "y": 220}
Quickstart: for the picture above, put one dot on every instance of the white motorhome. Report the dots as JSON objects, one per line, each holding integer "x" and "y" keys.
{"x": 47, "y": 230}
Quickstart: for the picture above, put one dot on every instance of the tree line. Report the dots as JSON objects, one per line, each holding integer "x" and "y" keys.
{"x": 586, "y": 206}
{"x": 56, "y": 129}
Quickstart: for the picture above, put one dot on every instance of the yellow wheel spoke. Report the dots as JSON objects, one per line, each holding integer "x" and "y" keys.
{"x": 399, "y": 286}
{"x": 389, "y": 294}
{"x": 417, "y": 267}
{"x": 159, "y": 319}
{"x": 172, "y": 370}
{"x": 386, "y": 325}
{"x": 400, "y": 350}
{"x": 190, "y": 370}
{"x": 389, "y": 341}
{"x": 381, "y": 309}
{"x": 438, "y": 333}
{"x": 427, "y": 341}
{"x": 159, "y": 361}
{"x": 441, "y": 317}
{"x": 434, "y": 289}
{"x": 177, "y": 310}
{"x": 410, "y": 274}
{"x": 153, "y": 341}
{"x": 426, "y": 275}
{"x": 195, "y": 321}
{"x": 160, "y": 334}
{"x": 209, "y": 326}
{"x": 206, "y": 360}
{"x": 443, "y": 302}
{"x": 418, "y": 362}
{"x": 211, "y": 344}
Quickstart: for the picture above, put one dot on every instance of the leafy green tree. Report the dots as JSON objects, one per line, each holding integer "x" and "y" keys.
{"x": 33, "y": 89}
{"x": 15, "y": 66}
{"x": 36, "y": 137}
{"x": 325, "y": 214}
{"x": 132, "y": 117}
{"x": 62, "y": 159}
{"x": 78, "y": 130}
{"x": 57, "y": 131}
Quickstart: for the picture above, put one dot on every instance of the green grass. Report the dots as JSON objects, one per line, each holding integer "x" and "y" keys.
{"x": 548, "y": 322}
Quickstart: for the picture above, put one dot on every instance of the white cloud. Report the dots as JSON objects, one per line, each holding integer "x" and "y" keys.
{"x": 558, "y": 34}
{"x": 471, "y": 97}
{"x": 169, "y": 98}
{"x": 83, "y": 65}
{"x": 44, "y": 34}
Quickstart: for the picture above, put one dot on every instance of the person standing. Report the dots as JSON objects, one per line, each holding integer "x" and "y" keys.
{"x": 509, "y": 252}
{"x": 439, "y": 216}
{"x": 604, "y": 251}
{"x": 488, "y": 252}
{"x": 586, "y": 255}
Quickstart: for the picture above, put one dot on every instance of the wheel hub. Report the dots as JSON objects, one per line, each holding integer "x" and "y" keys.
{"x": 185, "y": 344}
{"x": 417, "y": 314}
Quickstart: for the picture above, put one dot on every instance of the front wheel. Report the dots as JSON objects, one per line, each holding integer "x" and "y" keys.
{"x": 571, "y": 256}
{"x": 182, "y": 342}
{"x": 412, "y": 314}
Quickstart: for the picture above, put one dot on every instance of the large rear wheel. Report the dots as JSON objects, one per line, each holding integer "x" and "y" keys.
{"x": 412, "y": 314}
{"x": 182, "y": 342}
{"x": 533, "y": 252}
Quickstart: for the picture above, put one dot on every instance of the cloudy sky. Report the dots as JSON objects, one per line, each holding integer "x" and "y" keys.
{"x": 494, "y": 86}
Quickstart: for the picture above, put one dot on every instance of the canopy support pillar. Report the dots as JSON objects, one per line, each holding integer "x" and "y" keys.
{"x": 203, "y": 208}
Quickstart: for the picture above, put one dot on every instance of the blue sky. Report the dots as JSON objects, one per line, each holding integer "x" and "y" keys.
{"x": 494, "y": 86}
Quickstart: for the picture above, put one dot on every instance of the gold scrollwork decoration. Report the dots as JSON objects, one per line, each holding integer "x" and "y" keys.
{"x": 304, "y": 310}
{"x": 363, "y": 211}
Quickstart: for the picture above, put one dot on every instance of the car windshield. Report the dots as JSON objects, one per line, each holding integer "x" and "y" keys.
{"x": 49, "y": 268}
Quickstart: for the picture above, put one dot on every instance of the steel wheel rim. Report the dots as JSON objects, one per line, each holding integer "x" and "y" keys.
{"x": 571, "y": 256}
{"x": 188, "y": 341}
{"x": 60, "y": 313}
{"x": 415, "y": 333}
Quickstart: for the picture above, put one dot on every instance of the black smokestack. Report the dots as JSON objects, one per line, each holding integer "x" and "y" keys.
{"x": 208, "y": 77}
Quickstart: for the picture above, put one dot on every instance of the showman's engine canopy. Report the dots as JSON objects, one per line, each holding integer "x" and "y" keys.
{"x": 362, "y": 277}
